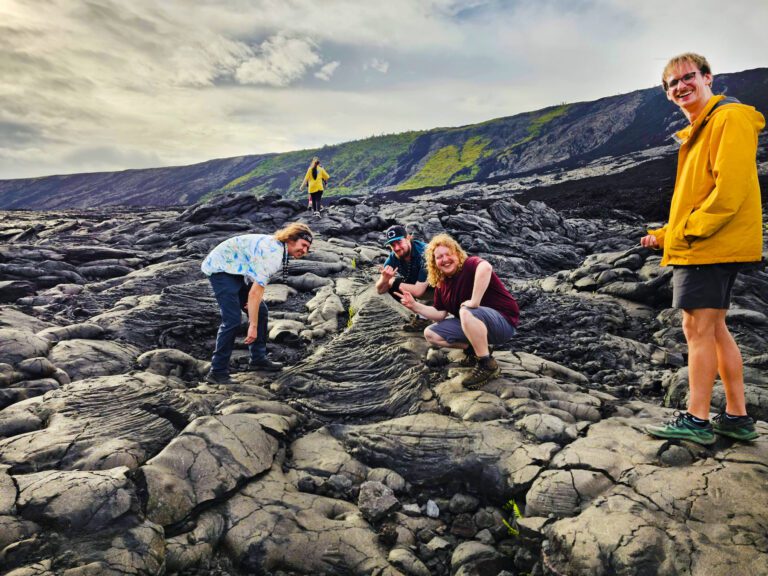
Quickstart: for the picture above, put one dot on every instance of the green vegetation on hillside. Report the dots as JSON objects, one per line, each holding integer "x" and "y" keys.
{"x": 271, "y": 165}
{"x": 364, "y": 163}
{"x": 449, "y": 164}
{"x": 353, "y": 166}
{"x": 537, "y": 123}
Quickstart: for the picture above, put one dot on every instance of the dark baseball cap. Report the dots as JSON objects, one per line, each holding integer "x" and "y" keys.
{"x": 395, "y": 232}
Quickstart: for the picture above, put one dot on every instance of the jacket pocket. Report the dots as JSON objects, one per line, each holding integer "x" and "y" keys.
{"x": 679, "y": 232}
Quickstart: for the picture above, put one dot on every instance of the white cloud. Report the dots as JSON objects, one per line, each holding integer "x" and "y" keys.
{"x": 201, "y": 63}
{"x": 376, "y": 64}
{"x": 327, "y": 70}
{"x": 279, "y": 61}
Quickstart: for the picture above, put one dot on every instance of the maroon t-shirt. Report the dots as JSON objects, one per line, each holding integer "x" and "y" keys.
{"x": 451, "y": 292}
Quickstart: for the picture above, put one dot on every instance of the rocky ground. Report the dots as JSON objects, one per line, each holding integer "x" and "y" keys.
{"x": 366, "y": 455}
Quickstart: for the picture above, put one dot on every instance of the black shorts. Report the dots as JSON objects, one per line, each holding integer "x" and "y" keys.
{"x": 704, "y": 286}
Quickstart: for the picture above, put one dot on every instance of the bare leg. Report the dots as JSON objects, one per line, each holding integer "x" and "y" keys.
{"x": 699, "y": 328}
{"x": 475, "y": 331}
{"x": 436, "y": 340}
{"x": 730, "y": 367}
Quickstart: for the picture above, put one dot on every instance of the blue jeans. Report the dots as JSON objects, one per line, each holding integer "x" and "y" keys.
{"x": 231, "y": 293}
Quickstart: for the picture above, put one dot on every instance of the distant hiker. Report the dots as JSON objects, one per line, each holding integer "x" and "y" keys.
{"x": 315, "y": 181}
{"x": 484, "y": 312}
{"x": 714, "y": 227}
{"x": 239, "y": 268}
{"x": 404, "y": 271}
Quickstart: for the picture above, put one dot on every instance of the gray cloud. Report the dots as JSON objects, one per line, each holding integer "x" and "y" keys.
{"x": 97, "y": 158}
{"x": 104, "y": 84}
{"x": 13, "y": 134}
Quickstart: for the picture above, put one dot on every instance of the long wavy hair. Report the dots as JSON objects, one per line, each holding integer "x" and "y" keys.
{"x": 292, "y": 232}
{"x": 434, "y": 276}
{"x": 314, "y": 164}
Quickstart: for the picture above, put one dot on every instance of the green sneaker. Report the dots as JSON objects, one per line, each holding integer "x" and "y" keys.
{"x": 741, "y": 428}
{"x": 682, "y": 428}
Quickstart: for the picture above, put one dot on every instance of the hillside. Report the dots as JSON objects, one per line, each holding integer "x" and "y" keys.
{"x": 558, "y": 138}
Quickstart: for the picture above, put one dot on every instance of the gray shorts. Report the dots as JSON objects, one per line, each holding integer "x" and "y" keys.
{"x": 704, "y": 286}
{"x": 499, "y": 328}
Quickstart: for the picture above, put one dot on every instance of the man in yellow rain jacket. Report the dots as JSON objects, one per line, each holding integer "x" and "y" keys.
{"x": 715, "y": 226}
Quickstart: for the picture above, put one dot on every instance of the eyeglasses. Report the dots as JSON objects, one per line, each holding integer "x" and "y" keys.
{"x": 685, "y": 79}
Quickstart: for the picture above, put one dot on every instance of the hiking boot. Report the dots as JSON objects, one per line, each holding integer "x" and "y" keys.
{"x": 219, "y": 378}
{"x": 470, "y": 358}
{"x": 316, "y": 214}
{"x": 486, "y": 369}
{"x": 683, "y": 428}
{"x": 739, "y": 428}
{"x": 264, "y": 364}
{"x": 416, "y": 324}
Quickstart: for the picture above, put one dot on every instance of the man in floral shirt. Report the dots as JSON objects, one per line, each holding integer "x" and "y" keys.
{"x": 238, "y": 269}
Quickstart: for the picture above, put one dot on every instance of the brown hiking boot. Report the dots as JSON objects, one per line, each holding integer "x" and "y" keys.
{"x": 486, "y": 369}
{"x": 470, "y": 358}
{"x": 416, "y": 324}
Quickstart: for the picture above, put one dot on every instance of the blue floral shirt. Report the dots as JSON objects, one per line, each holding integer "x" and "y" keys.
{"x": 254, "y": 256}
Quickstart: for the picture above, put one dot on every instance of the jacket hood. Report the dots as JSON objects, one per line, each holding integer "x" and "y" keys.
{"x": 715, "y": 105}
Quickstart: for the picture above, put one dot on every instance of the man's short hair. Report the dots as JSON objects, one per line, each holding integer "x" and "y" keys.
{"x": 696, "y": 59}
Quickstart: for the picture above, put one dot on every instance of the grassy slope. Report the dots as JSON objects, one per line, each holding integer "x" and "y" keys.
{"x": 353, "y": 166}
{"x": 536, "y": 125}
{"x": 366, "y": 164}
{"x": 449, "y": 164}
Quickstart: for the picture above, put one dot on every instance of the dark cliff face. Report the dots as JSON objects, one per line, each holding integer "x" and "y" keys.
{"x": 635, "y": 125}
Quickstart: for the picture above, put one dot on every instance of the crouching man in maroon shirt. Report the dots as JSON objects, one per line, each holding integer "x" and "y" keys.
{"x": 484, "y": 312}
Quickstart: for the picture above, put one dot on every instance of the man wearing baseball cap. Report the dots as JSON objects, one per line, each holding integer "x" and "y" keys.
{"x": 404, "y": 271}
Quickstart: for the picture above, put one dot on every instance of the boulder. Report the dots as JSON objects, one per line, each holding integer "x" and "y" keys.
{"x": 88, "y": 358}
{"x": 376, "y": 501}
{"x": 209, "y": 459}
{"x": 18, "y": 345}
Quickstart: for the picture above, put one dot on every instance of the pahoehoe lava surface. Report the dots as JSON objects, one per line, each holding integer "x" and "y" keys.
{"x": 365, "y": 455}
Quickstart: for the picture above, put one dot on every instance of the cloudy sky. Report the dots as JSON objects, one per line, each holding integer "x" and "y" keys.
{"x": 94, "y": 85}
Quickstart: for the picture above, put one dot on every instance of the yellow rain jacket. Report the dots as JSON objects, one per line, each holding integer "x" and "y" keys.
{"x": 316, "y": 184}
{"x": 716, "y": 216}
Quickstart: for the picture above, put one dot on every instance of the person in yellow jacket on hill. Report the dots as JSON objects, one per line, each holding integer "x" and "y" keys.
{"x": 315, "y": 181}
{"x": 714, "y": 227}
